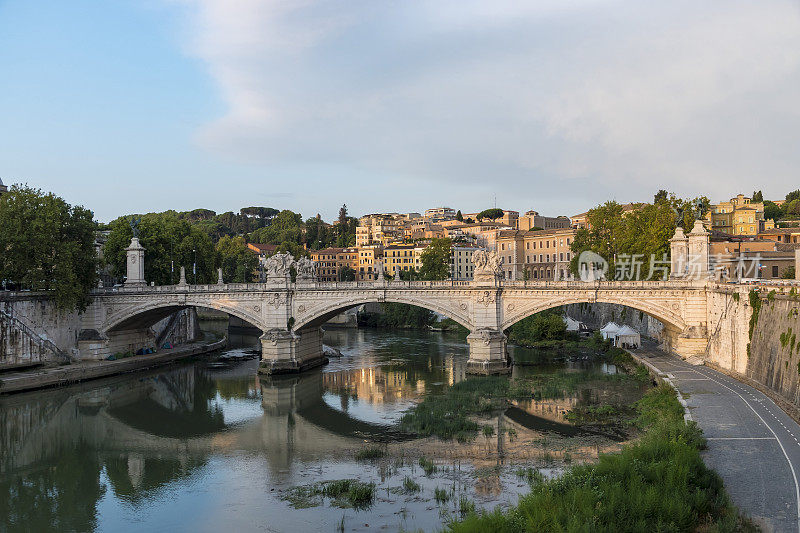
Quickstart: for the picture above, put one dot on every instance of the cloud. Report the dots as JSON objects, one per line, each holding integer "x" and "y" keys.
{"x": 622, "y": 97}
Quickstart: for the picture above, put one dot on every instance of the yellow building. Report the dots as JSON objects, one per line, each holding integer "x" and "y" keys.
{"x": 402, "y": 256}
{"x": 368, "y": 257}
{"x": 331, "y": 260}
{"x": 739, "y": 216}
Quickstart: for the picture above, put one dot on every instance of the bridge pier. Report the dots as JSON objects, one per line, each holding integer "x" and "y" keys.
{"x": 487, "y": 352}
{"x": 287, "y": 352}
{"x": 685, "y": 344}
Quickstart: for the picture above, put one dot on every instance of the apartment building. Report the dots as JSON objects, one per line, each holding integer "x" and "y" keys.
{"x": 438, "y": 214}
{"x": 368, "y": 257}
{"x": 377, "y": 228}
{"x": 331, "y": 260}
{"x": 461, "y": 266}
{"x": 536, "y": 255}
{"x": 402, "y": 256}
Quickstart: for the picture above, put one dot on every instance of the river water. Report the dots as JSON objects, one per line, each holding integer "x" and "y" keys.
{"x": 208, "y": 446}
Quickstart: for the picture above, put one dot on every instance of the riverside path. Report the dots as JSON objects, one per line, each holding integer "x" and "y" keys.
{"x": 752, "y": 443}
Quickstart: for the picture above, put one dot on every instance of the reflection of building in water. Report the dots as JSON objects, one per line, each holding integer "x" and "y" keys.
{"x": 456, "y": 370}
{"x": 374, "y": 385}
{"x": 552, "y": 409}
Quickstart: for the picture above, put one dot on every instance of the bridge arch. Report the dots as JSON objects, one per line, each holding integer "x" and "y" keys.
{"x": 319, "y": 314}
{"x": 669, "y": 317}
{"x": 147, "y": 313}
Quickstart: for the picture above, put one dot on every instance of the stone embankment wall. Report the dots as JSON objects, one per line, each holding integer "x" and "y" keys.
{"x": 596, "y": 315}
{"x": 775, "y": 347}
{"x": 39, "y": 316}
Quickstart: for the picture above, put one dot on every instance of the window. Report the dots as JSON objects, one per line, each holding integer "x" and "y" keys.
{"x": 561, "y": 256}
{"x": 775, "y": 271}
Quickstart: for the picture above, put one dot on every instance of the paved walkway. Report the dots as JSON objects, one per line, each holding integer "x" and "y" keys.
{"x": 752, "y": 443}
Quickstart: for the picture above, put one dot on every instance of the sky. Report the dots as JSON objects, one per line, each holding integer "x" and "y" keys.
{"x": 397, "y": 106}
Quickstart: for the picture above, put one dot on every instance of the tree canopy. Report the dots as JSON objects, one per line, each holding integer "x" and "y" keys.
{"x": 491, "y": 214}
{"x": 47, "y": 244}
{"x": 168, "y": 240}
{"x": 436, "y": 260}
{"x": 635, "y": 244}
{"x": 237, "y": 262}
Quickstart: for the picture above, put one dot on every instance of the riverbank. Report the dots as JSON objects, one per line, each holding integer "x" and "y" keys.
{"x": 751, "y": 443}
{"x": 40, "y": 378}
{"x": 659, "y": 482}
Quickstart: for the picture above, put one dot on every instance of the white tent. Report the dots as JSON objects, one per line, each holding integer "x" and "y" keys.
{"x": 627, "y": 337}
{"x": 572, "y": 324}
{"x": 609, "y": 331}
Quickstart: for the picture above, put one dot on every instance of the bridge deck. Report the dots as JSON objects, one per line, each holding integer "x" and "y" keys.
{"x": 752, "y": 443}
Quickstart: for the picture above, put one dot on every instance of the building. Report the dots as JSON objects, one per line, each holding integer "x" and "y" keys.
{"x": 461, "y": 265}
{"x": 484, "y": 234}
{"x": 378, "y": 228}
{"x": 536, "y": 255}
{"x": 733, "y": 258}
{"x": 738, "y": 216}
{"x": 783, "y": 235}
{"x": 330, "y": 261}
{"x": 533, "y": 220}
{"x": 403, "y": 256}
{"x": 3, "y": 188}
{"x": 368, "y": 257}
{"x": 438, "y": 214}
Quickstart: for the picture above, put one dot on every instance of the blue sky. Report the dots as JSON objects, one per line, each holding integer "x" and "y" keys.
{"x": 135, "y": 106}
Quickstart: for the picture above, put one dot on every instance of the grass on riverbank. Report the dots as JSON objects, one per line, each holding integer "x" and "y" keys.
{"x": 658, "y": 483}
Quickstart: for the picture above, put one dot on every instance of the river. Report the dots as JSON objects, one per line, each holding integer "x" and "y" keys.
{"x": 208, "y": 446}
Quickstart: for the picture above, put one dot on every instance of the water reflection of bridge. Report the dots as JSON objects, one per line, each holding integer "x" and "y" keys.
{"x": 146, "y": 431}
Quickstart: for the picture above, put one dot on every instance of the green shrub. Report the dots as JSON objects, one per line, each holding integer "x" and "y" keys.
{"x": 441, "y": 495}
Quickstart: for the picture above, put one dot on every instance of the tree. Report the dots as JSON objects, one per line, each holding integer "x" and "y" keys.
{"x": 47, "y": 244}
{"x": 792, "y": 208}
{"x": 758, "y": 196}
{"x": 491, "y": 214}
{"x": 285, "y": 227}
{"x": 794, "y": 195}
{"x": 660, "y": 197}
{"x": 238, "y": 263}
{"x": 346, "y": 273}
{"x": 436, "y": 260}
{"x": 772, "y": 211}
{"x": 459, "y": 216}
{"x": 168, "y": 241}
{"x": 788, "y": 273}
{"x": 342, "y": 220}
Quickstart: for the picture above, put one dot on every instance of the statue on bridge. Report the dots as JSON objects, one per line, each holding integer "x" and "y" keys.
{"x": 487, "y": 266}
{"x": 306, "y": 269}
{"x": 278, "y": 267}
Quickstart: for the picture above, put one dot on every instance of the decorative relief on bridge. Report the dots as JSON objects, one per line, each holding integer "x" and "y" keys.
{"x": 276, "y": 300}
{"x": 487, "y": 297}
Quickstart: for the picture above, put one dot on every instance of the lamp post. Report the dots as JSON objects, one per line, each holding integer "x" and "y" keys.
{"x": 194, "y": 267}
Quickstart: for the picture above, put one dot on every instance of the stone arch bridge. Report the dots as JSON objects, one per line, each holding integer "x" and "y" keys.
{"x": 290, "y": 315}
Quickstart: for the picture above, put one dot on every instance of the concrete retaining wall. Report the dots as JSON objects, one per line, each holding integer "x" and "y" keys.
{"x": 775, "y": 348}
